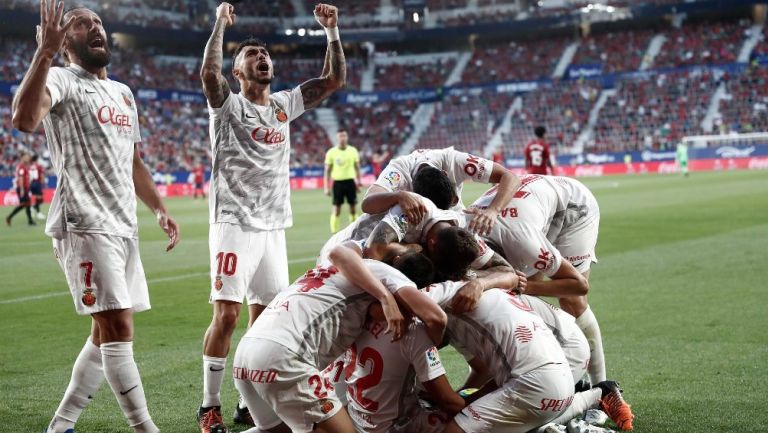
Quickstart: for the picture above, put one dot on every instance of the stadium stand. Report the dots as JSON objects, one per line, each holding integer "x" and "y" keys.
{"x": 506, "y": 61}
{"x": 563, "y": 107}
{"x": 616, "y": 52}
{"x": 701, "y": 44}
{"x": 466, "y": 121}
{"x": 655, "y": 112}
{"x": 413, "y": 75}
{"x": 745, "y": 109}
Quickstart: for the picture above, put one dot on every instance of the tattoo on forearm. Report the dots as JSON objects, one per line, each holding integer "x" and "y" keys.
{"x": 314, "y": 91}
{"x": 382, "y": 234}
{"x": 215, "y": 86}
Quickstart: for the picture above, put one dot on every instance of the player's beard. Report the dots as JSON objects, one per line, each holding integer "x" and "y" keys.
{"x": 90, "y": 59}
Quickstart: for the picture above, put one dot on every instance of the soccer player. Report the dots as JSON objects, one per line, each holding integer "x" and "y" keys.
{"x": 22, "y": 181}
{"x": 379, "y": 160}
{"x": 342, "y": 164}
{"x": 92, "y": 218}
{"x": 249, "y": 186}
{"x": 397, "y": 178}
{"x": 277, "y": 364}
{"x": 518, "y": 365}
{"x": 198, "y": 174}
{"x": 681, "y": 157}
{"x": 537, "y": 157}
{"x": 550, "y": 229}
{"x": 37, "y": 183}
{"x": 380, "y": 379}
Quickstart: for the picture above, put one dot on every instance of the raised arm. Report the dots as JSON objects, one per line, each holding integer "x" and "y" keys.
{"x": 32, "y": 101}
{"x": 215, "y": 86}
{"x": 146, "y": 191}
{"x": 334, "y": 74}
{"x": 485, "y": 218}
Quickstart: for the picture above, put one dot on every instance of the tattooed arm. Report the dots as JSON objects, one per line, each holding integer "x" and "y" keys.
{"x": 334, "y": 74}
{"x": 215, "y": 86}
{"x": 381, "y": 236}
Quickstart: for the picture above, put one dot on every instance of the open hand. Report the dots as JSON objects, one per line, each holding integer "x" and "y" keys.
{"x": 50, "y": 33}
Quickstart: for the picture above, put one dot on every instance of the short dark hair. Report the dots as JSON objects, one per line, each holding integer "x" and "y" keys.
{"x": 455, "y": 250}
{"x": 434, "y": 184}
{"x": 250, "y": 42}
{"x": 417, "y": 267}
{"x": 34, "y": 157}
{"x": 540, "y": 131}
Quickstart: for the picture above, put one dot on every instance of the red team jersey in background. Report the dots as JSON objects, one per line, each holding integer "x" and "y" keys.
{"x": 537, "y": 157}
{"x": 22, "y": 177}
{"x": 199, "y": 173}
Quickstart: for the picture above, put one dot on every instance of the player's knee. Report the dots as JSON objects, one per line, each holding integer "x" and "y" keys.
{"x": 225, "y": 318}
{"x": 113, "y": 327}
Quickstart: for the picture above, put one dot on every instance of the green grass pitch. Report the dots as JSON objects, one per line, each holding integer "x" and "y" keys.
{"x": 680, "y": 293}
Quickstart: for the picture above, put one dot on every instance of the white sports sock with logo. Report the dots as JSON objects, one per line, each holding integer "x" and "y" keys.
{"x": 123, "y": 376}
{"x": 587, "y": 322}
{"x": 87, "y": 377}
{"x": 213, "y": 376}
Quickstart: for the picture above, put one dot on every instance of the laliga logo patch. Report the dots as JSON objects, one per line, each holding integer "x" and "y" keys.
{"x": 393, "y": 178}
{"x": 432, "y": 357}
{"x": 281, "y": 116}
{"x": 89, "y": 299}
{"x": 218, "y": 284}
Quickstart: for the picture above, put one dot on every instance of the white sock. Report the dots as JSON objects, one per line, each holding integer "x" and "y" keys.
{"x": 123, "y": 376}
{"x": 87, "y": 377}
{"x": 587, "y": 322}
{"x": 213, "y": 376}
{"x": 582, "y": 401}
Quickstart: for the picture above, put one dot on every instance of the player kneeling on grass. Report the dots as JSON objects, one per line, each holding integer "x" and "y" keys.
{"x": 277, "y": 363}
{"x": 380, "y": 381}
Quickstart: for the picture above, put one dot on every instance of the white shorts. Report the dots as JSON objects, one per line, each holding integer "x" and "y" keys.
{"x": 104, "y": 272}
{"x": 577, "y": 243}
{"x": 521, "y": 404}
{"x": 334, "y": 376}
{"x": 247, "y": 263}
{"x": 577, "y": 353}
{"x": 423, "y": 420}
{"x": 277, "y": 385}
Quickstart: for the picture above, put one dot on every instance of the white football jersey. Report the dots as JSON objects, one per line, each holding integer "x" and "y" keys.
{"x": 91, "y": 130}
{"x": 459, "y": 166}
{"x": 562, "y": 324}
{"x": 380, "y": 384}
{"x": 501, "y": 331}
{"x": 359, "y": 230}
{"x": 529, "y": 225}
{"x": 322, "y": 313}
{"x": 250, "y": 147}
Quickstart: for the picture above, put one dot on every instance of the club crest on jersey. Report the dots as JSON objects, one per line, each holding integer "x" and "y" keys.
{"x": 281, "y": 116}
{"x": 218, "y": 284}
{"x": 127, "y": 100}
{"x": 89, "y": 299}
{"x": 393, "y": 178}
{"x": 433, "y": 359}
{"x": 326, "y": 406}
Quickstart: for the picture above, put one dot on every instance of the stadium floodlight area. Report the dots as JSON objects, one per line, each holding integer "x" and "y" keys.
{"x": 749, "y": 139}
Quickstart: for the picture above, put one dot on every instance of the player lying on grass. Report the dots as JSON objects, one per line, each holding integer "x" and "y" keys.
{"x": 277, "y": 364}
{"x": 550, "y": 229}
{"x": 459, "y": 167}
